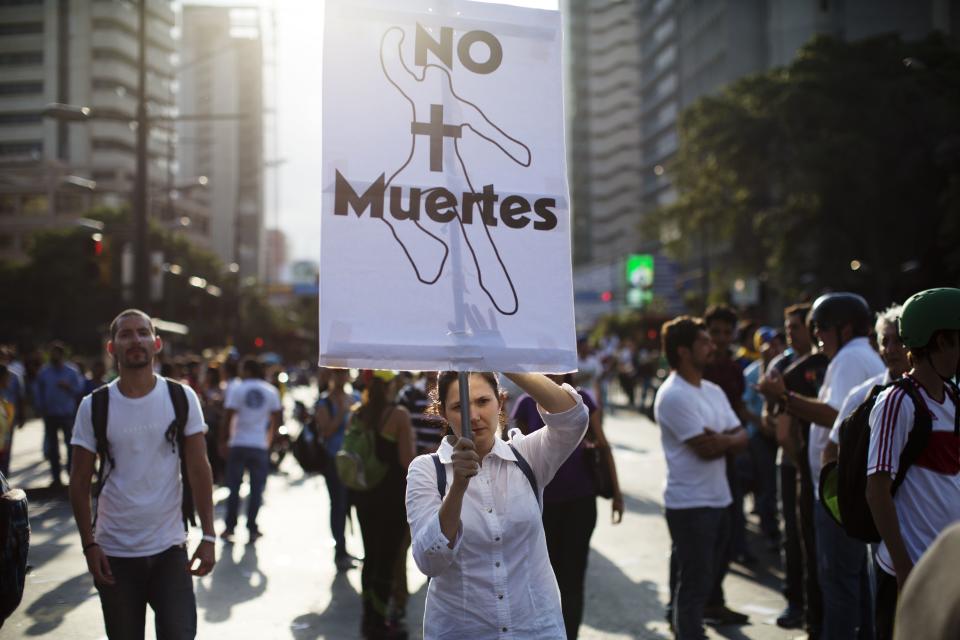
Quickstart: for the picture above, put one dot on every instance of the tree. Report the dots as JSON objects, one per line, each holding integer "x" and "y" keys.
{"x": 848, "y": 157}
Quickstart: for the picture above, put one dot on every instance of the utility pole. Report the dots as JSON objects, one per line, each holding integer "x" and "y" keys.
{"x": 141, "y": 250}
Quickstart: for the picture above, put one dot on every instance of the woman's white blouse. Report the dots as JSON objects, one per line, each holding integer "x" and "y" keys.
{"x": 496, "y": 581}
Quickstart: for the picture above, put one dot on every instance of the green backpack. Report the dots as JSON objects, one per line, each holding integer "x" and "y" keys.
{"x": 358, "y": 466}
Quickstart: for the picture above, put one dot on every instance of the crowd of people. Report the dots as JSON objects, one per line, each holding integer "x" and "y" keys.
{"x": 500, "y": 518}
{"x": 775, "y": 427}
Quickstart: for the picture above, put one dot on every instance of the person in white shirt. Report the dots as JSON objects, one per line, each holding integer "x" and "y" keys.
{"x": 256, "y": 405}
{"x": 483, "y": 542}
{"x": 928, "y": 500}
{"x": 698, "y": 428}
{"x": 138, "y": 555}
{"x": 841, "y": 323}
{"x": 894, "y": 356}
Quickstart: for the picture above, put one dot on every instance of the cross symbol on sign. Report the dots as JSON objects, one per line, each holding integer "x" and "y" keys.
{"x": 437, "y": 132}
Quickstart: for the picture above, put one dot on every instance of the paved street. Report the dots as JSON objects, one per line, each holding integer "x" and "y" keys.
{"x": 286, "y": 585}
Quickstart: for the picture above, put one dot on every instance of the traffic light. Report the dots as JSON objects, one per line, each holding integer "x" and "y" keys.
{"x": 93, "y": 250}
{"x": 258, "y": 342}
{"x": 98, "y": 258}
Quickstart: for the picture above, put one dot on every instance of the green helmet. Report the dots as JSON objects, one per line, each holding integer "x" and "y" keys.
{"x": 927, "y": 312}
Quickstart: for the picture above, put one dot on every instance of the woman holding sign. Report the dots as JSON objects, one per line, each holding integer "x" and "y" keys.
{"x": 474, "y": 512}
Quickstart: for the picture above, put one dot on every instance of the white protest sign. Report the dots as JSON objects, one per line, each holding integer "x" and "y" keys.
{"x": 445, "y": 232}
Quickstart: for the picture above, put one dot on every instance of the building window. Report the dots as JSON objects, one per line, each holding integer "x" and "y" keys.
{"x": 17, "y": 118}
{"x": 24, "y": 148}
{"x": 21, "y": 58}
{"x": 20, "y": 88}
{"x": 8, "y": 205}
{"x": 20, "y": 28}
{"x": 35, "y": 206}
{"x": 665, "y": 58}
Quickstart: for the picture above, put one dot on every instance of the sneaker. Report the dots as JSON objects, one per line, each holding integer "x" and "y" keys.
{"x": 722, "y": 615}
{"x": 227, "y": 535}
{"x": 791, "y": 618}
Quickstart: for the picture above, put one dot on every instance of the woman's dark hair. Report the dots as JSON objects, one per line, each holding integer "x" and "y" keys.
{"x": 438, "y": 393}
{"x": 375, "y": 402}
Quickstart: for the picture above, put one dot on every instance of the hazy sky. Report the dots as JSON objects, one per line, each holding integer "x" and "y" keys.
{"x": 300, "y": 30}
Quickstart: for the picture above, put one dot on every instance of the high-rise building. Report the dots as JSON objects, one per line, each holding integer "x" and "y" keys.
{"x": 221, "y": 84}
{"x": 634, "y": 66}
{"x": 276, "y": 254}
{"x": 56, "y": 164}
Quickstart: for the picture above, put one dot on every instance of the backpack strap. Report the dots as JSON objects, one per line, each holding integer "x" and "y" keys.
{"x": 441, "y": 475}
{"x": 527, "y": 471}
{"x": 99, "y": 412}
{"x": 919, "y": 435}
{"x": 521, "y": 462}
{"x": 177, "y": 437}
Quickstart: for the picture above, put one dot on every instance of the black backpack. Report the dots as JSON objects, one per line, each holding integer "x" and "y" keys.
{"x": 843, "y": 483}
{"x": 521, "y": 462}
{"x": 99, "y": 409}
{"x": 14, "y": 547}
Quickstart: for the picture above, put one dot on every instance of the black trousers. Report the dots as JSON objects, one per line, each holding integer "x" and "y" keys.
{"x": 811, "y": 581}
{"x": 886, "y": 604}
{"x": 792, "y": 546}
{"x": 568, "y": 527}
{"x": 160, "y": 581}
{"x": 382, "y": 526}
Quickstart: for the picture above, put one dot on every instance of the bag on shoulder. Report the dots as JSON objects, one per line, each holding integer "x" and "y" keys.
{"x": 176, "y": 436}
{"x": 14, "y": 547}
{"x": 843, "y": 483}
{"x": 357, "y": 463}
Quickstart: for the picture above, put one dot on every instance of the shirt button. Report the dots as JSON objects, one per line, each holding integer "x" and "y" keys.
{"x": 504, "y": 629}
{"x": 497, "y": 539}
{"x": 489, "y": 510}
{"x": 498, "y": 564}
{"x": 499, "y": 596}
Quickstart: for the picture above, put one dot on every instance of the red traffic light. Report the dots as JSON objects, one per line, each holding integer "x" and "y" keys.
{"x": 96, "y": 245}
{"x": 258, "y": 342}
{"x": 606, "y": 296}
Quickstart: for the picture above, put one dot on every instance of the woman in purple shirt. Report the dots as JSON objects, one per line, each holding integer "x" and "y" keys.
{"x": 570, "y": 504}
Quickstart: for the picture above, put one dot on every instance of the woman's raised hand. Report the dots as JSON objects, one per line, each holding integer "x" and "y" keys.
{"x": 466, "y": 461}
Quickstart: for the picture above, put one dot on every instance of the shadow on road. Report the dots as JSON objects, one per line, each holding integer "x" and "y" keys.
{"x": 49, "y": 610}
{"x": 340, "y": 618}
{"x": 232, "y": 582}
{"x": 617, "y": 604}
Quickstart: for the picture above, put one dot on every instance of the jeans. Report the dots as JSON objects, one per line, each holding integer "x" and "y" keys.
{"x": 257, "y": 461}
{"x": 338, "y": 506}
{"x": 736, "y": 531}
{"x": 568, "y": 527}
{"x": 52, "y": 427}
{"x": 700, "y": 538}
{"x": 806, "y": 507}
{"x": 162, "y": 581}
{"x": 842, "y": 565}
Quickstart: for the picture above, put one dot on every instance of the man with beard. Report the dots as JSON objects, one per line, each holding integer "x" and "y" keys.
{"x": 137, "y": 553}
{"x": 698, "y": 428}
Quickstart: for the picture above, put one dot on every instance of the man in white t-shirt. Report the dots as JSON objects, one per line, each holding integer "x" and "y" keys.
{"x": 256, "y": 405}
{"x": 841, "y": 323}
{"x": 698, "y": 428}
{"x": 137, "y": 554}
{"x": 928, "y": 500}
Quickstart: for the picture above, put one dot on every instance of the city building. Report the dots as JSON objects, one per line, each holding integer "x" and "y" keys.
{"x": 57, "y": 163}
{"x": 220, "y": 133}
{"x": 276, "y": 255}
{"x": 634, "y": 65}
